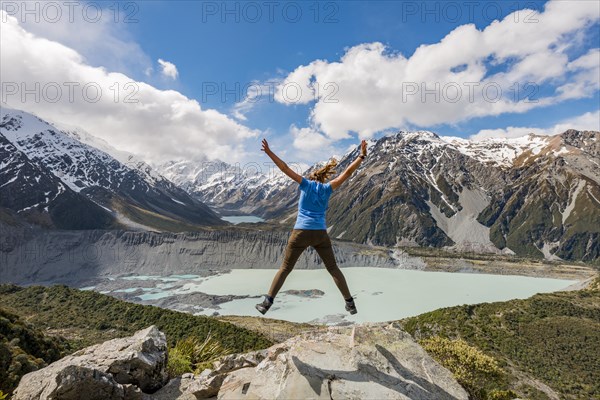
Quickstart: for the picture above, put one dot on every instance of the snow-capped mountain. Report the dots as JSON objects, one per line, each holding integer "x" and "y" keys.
{"x": 130, "y": 160}
{"x": 128, "y": 188}
{"x": 551, "y": 205}
{"x": 538, "y": 199}
{"x": 513, "y": 152}
{"x": 37, "y": 195}
{"x": 238, "y": 187}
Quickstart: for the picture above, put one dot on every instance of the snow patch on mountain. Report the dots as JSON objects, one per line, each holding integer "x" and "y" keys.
{"x": 499, "y": 151}
{"x": 130, "y": 160}
{"x": 64, "y": 155}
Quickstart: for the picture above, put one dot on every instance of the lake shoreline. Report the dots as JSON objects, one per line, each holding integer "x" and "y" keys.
{"x": 582, "y": 275}
{"x": 310, "y": 296}
{"x": 531, "y": 268}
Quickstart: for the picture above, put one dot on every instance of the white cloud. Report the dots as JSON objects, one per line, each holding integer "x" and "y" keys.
{"x": 88, "y": 29}
{"x": 371, "y": 90}
{"x": 586, "y": 122}
{"x": 156, "y": 124}
{"x": 307, "y": 139}
{"x": 310, "y": 145}
{"x": 587, "y": 76}
{"x": 168, "y": 69}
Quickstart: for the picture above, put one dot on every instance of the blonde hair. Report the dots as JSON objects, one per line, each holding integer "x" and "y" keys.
{"x": 322, "y": 174}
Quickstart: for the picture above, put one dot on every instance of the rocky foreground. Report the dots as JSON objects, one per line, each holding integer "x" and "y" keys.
{"x": 368, "y": 361}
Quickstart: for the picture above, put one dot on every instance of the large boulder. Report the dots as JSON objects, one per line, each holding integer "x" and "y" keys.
{"x": 369, "y": 361}
{"x": 116, "y": 369}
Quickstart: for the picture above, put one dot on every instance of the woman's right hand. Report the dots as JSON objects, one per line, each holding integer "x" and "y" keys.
{"x": 265, "y": 146}
{"x": 363, "y": 147}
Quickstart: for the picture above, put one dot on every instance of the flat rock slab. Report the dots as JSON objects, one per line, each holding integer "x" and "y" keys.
{"x": 368, "y": 361}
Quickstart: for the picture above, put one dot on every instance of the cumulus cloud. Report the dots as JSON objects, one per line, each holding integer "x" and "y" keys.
{"x": 307, "y": 139}
{"x": 469, "y": 73}
{"x": 97, "y": 31}
{"x": 168, "y": 69}
{"x": 586, "y": 122}
{"x": 55, "y": 82}
{"x": 310, "y": 144}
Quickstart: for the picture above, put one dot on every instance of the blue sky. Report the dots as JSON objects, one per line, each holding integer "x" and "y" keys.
{"x": 243, "y": 51}
{"x": 210, "y": 45}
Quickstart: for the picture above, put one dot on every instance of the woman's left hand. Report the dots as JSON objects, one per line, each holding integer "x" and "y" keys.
{"x": 363, "y": 147}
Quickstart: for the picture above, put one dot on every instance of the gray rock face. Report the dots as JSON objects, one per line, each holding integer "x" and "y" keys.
{"x": 72, "y": 256}
{"x": 209, "y": 382}
{"x": 116, "y": 369}
{"x": 177, "y": 388}
{"x": 368, "y": 362}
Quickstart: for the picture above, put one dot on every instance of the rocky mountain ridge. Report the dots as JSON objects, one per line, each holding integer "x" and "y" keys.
{"x": 129, "y": 190}
{"x": 39, "y": 196}
{"x": 235, "y": 188}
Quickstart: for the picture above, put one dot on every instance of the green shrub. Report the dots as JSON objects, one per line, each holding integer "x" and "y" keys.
{"x": 23, "y": 349}
{"x": 84, "y": 318}
{"x": 193, "y": 355}
{"x": 87, "y": 317}
{"x": 501, "y": 395}
{"x": 473, "y": 369}
{"x": 179, "y": 363}
{"x": 550, "y": 337}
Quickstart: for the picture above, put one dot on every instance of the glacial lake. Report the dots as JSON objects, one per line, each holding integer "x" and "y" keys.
{"x": 381, "y": 294}
{"x": 238, "y": 219}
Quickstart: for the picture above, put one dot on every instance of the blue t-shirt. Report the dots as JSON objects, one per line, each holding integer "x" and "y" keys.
{"x": 314, "y": 199}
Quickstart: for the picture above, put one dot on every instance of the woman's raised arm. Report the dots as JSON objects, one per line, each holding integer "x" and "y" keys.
{"x": 341, "y": 178}
{"x": 280, "y": 163}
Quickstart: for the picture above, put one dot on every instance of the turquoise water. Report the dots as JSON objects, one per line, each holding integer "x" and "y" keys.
{"x": 238, "y": 219}
{"x": 128, "y": 290}
{"x": 169, "y": 278}
{"x": 381, "y": 294}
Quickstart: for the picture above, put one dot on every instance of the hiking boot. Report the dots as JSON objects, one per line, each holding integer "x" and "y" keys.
{"x": 264, "y": 306}
{"x": 350, "y": 306}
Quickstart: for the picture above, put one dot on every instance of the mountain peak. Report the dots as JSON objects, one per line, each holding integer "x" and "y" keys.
{"x": 422, "y": 135}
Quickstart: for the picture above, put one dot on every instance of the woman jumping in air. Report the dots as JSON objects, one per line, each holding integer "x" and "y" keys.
{"x": 310, "y": 228}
